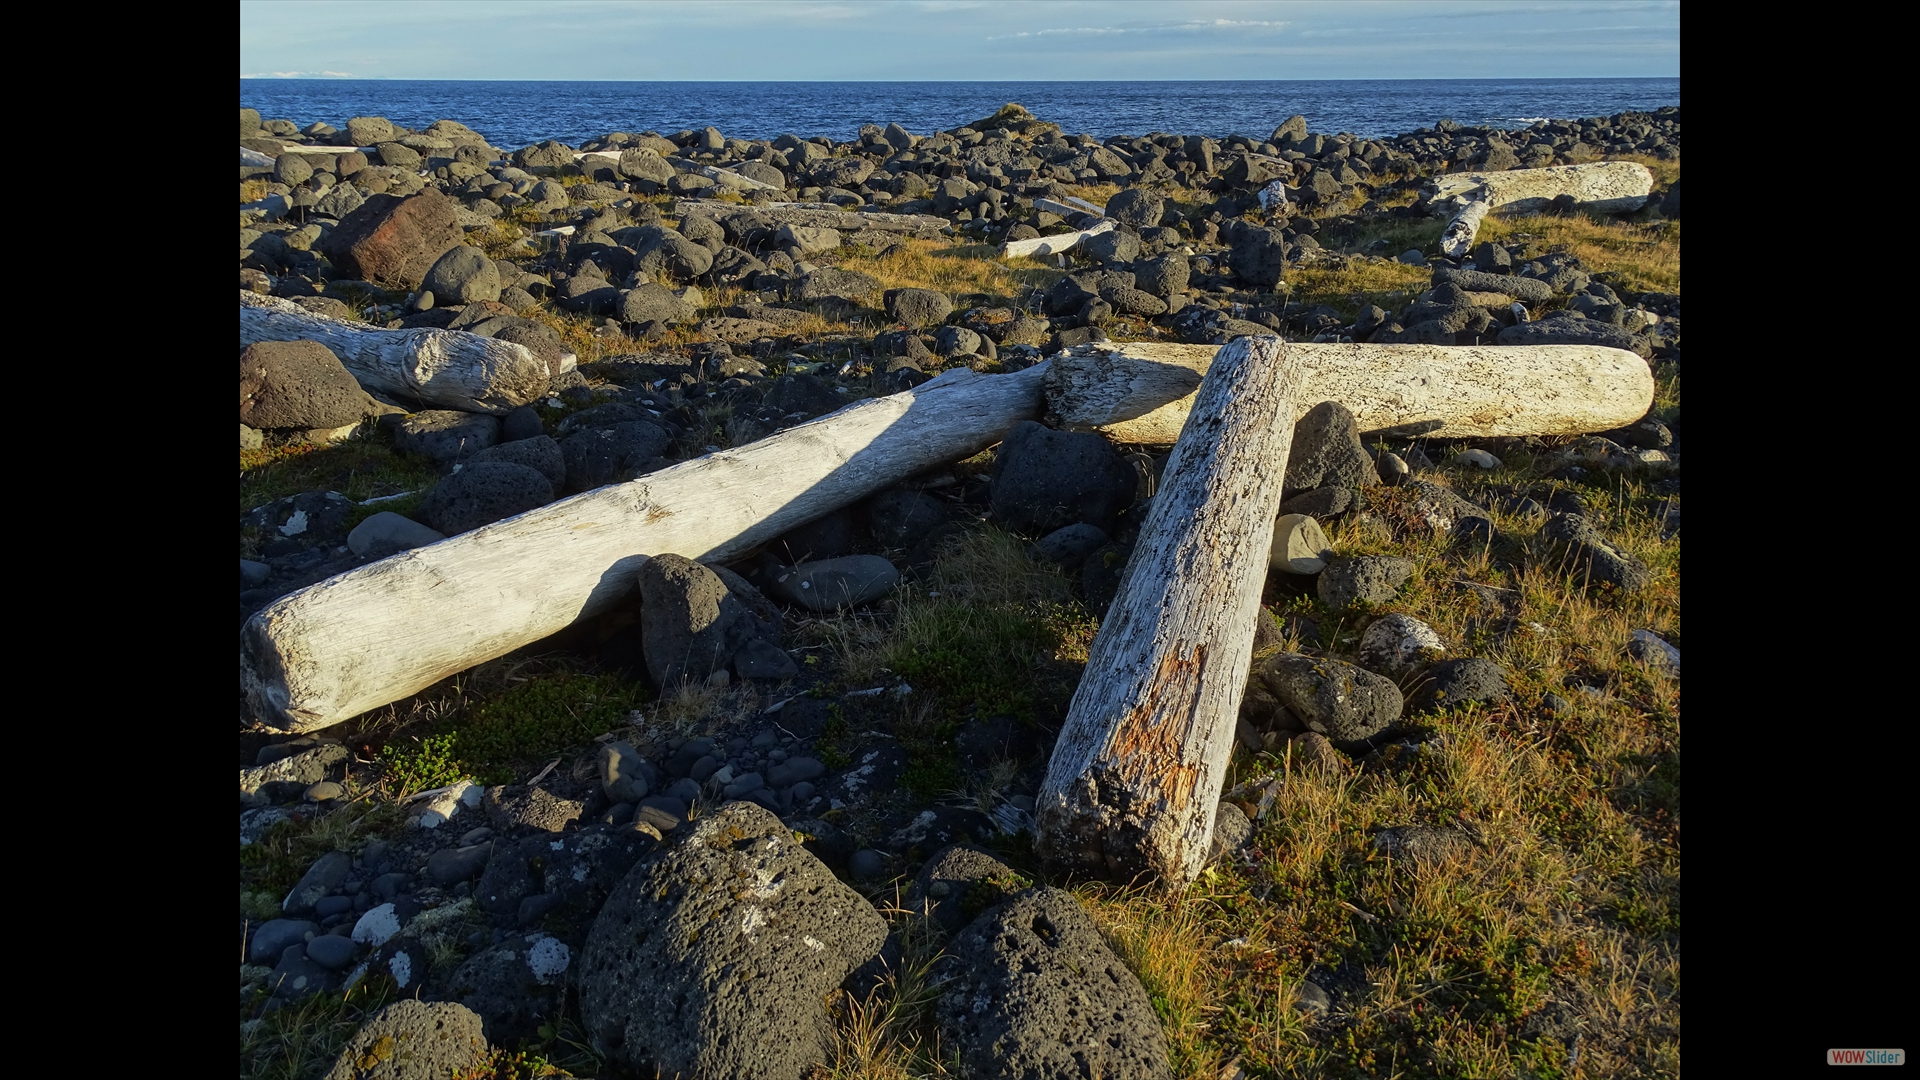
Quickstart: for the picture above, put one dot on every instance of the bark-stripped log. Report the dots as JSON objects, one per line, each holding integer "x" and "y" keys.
{"x": 1603, "y": 187}
{"x": 1135, "y": 776}
{"x": 1140, "y": 393}
{"x": 1050, "y": 245}
{"x": 1457, "y": 239}
{"x": 449, "y": 368}
{"x": 378, "y": 633}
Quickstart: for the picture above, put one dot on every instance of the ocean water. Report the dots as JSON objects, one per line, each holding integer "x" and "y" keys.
{"x": 513, "y": 114}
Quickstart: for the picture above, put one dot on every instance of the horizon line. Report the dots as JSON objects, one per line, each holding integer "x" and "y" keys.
{"x": 980, "y": 82}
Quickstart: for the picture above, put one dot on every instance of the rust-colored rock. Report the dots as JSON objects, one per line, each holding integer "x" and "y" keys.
{"x": 392, "y": 241}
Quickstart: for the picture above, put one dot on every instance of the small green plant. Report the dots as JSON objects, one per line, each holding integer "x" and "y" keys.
{"x": 422, "y": 767}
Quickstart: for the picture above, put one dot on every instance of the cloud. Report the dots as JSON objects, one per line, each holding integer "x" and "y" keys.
{"x": 300, "y": 75}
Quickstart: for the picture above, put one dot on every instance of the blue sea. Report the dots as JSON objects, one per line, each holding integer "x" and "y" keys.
{"x": 512, "y": 114}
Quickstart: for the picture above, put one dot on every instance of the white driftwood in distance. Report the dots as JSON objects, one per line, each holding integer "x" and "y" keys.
{"x": 449, "y": 368}
{"x": 1141, "y": 392}
{"x": 1064, "y": 210}
{"x": 1134, "y": 781}
{"x": 1606, "y": 187}
{"x": 1457, "y": 239}
{"x": 1050, "y": 245}
{"x": 389, "y": 629}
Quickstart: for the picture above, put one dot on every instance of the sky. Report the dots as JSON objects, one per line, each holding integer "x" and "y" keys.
{"x": 958, "y": 40}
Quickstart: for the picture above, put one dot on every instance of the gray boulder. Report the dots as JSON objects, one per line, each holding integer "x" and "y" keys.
{"x": 1258, "y": 256}
{"x": 1566, "y": 332}
{"x": 1347, "y": 704}
{"x": 1136, "y": 208}
{"x": 1397, "y": 643}
{"x": 1116, "y": 246}
{"x": 832, "y": 584}
{"x": 1592, "y": 555}
{"x": 673, "y": 255}
{"x": 1370, "y": 579}
{"x": 958, "y": 883}
{"x": 612, "y": 454}
{"x": 1034, "y": 992}
{"x": 1327, "y": 452}
{"x": 414, "y": 1040}
{"x": 443, "y": 435}
{"x": 1070, "y": 546}
{"x": 483, "y": 493}
{"x": 387, "y": 532}
{"x": 462, "y": 276}
{"x": 714, "y": 960}
{"x": 1044, "y": 480}
{"x": 918, "y": 307}
{"x": 369, "y": 130}
{"x": 537, "y": 452}
{"x": 515, "y": 986}
{"x": 1458, "y": 682}
{"x": 272, "y": 937}
{"x": 1163, "y": 276}
{"x": 836, "y": 286}
{"x": 900, "y": 517}
{"x": 325, "y": 875}
{"x": 650, "y": 302}
{"x": 956, "y": 341}
{"x": 297, "y": 384}
{"x": 807, "y": 241}
{"x": 690, "y": 624}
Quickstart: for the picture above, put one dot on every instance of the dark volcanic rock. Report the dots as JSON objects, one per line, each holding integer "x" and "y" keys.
{"x": 1347, "y": 704}
{"x": 1370, "y": 579}
{"x": 482, "y": 493}
{"x": 297, "y": 384}
{"x": 413, "y": 1040}
{"x": 1327, "y": 452}
{"x": 1456, "y": 682}
{"x": 715, "y": 959}
{"x": 1035, "y": 993}
{"x": 1590, "y": 553}
{"x": 1045, "y": 479}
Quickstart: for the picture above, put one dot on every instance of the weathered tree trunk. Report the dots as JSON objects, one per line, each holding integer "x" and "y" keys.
{"x": 376, "y": 634}
{"x": 1064, "y": 208}
{"x": 1049, "y": 245}
{"x": 1457, "y": 240}
{"x": 449, "y": 368}
{"x": 1135, "y": 776}
{"x": 1141, "y": 393}
{"x": 1606, "y": 187}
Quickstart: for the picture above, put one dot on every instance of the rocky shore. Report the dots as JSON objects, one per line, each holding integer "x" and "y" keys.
{"x": 670, "y": 840}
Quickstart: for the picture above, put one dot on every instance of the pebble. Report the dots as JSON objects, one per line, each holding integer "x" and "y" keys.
{"x": 325, "y": 791}
{"x": 271, "y": 938}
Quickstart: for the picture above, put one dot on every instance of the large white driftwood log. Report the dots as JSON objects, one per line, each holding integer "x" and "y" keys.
{"x": 378, "y": 633}
{"x": 1141, "y": 393}
{"x": 449, "y": 368}
{"x": 1135, "y": 776}
{"x": 1457, "y": 239}
{"x": 1605, "y": 187}
{"x": 1051, "y": 245}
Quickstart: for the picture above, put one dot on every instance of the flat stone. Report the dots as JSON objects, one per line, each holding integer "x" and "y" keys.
{"x": 1300, "y": 546}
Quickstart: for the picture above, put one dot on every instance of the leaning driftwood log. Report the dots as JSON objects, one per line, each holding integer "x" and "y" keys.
{"x": 449, "y": 368}
{"x": 1141, "y": 393}
{"x": 1457, "y": 239}
{"x": 1135, "y": 776}
{"x": 378, "y": 633}
{"x": 1049, "y": 245}
{"x": 1604, "y": 187}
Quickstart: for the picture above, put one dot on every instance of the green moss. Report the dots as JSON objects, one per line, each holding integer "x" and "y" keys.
{"x": 493, "y": 739}
{"x": 989, "y": 891}
{"x": 360, "y": 468}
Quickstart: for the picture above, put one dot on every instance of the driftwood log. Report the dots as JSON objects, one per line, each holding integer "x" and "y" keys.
{"x": 1141, "y": 393}
{"x": 375, "y": 634}
{"x": 1457, "y": 239}
{"x": 1135, "y": 776}
{"x": 1604, "y": 187}
{"x": 449, "y": 368}
{"x": 1050, "y": 245}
